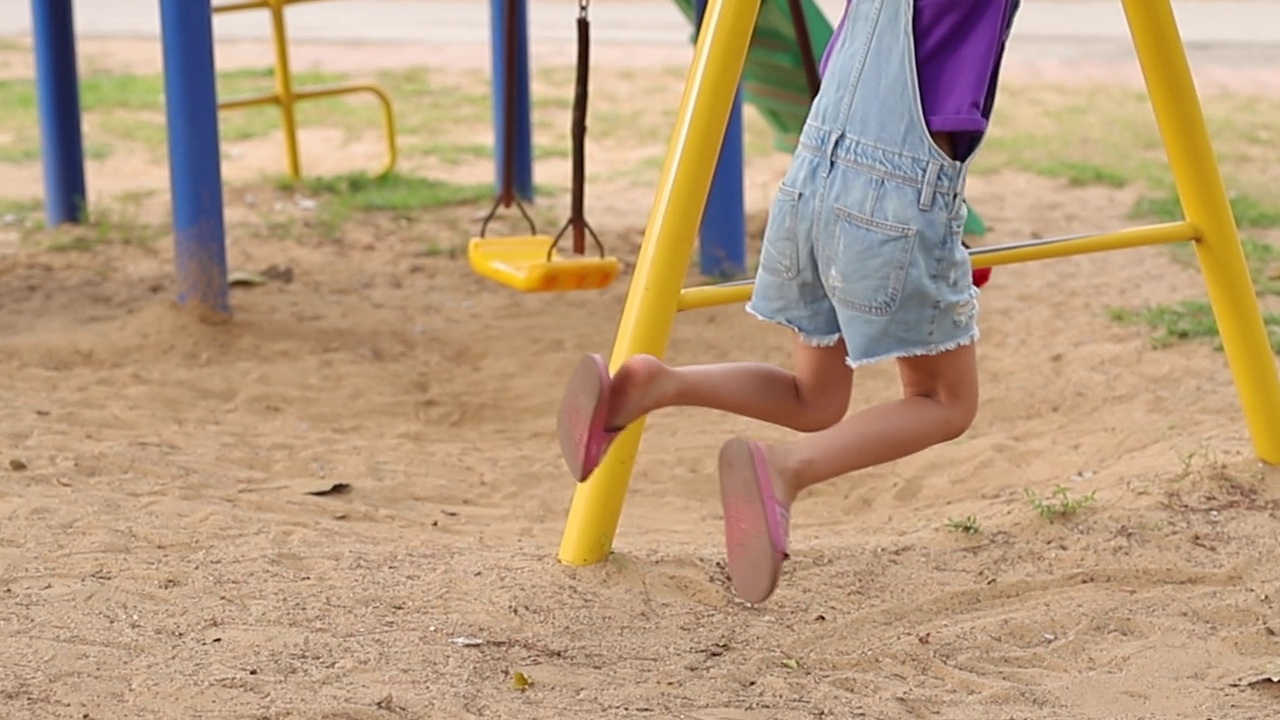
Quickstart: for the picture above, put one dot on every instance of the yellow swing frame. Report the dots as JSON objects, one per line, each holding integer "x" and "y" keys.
{"x": 657, "y": 291}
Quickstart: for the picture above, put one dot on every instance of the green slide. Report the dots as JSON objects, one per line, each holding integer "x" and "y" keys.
{"x": 774, "y": 80}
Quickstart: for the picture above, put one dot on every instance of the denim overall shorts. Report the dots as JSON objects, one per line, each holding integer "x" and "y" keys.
{"x": 863, "y": 240}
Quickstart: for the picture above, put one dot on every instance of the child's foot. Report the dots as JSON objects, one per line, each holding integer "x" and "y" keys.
{"x": 596, "y": 408}
{"x": 756, "y": 520}
{"x": 634, "y": 391}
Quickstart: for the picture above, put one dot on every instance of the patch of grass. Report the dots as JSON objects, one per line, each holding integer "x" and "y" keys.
{"x": 396, "y": 191}
{"x": 20, "y": 208}
{"x": 15, "y": 152}
{"x": 121, "y": 91}
{"x": 438, "y": 106}
{"x": 145, "y": 129}
{"x": 116, "y": 222}
{"x": 1064, "y": 131}
{"x": 341, "y": 196}
{"x": 1059, "y": 503}
{"x": 247, "y": 123}
{"x": 1089, "y": 135}
{"x": 1249, "y": 211}
{"x": 451, "y": 153}
{"x": 251, "y": 81}
{"x": 967, "y": 525}
{"x": 1193, "y": 320}
{"x": 1083, "y": 173}
{"x": 1188, "y": 320}
{"x": 1263, "y": 259}
{"x": 130, "y": 107}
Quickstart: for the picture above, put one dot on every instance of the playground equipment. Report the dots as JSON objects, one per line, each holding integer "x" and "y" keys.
{"x": 780, "y": 78}
{"x": 286, "y": 96}
{"x": 191, "y": 115}
{"x": 656, "y": 292}
{"x": 531, "y": 263}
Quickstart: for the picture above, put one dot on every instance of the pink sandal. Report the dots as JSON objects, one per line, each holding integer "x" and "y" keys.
{"x": 584, "y": 440}
{"x": 756, "y": 525}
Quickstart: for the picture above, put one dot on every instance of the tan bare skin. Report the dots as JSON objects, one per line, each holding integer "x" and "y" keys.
{"x": 939, "y": 402}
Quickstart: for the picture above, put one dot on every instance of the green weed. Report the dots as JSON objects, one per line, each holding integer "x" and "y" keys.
{"x": 1059, "y": 503}
{"x": 967, "y": 525}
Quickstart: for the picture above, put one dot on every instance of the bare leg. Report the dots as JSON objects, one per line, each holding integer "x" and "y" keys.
{"x": 940, "y": 400}
{"x": 814, "y": 397}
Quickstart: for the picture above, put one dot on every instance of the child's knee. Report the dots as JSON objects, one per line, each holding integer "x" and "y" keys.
{"x": 961, "y": 417}
{"x": 824, "y": 414}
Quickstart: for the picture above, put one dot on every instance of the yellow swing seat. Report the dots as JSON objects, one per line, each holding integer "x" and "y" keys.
{"x": 526, "y": 263}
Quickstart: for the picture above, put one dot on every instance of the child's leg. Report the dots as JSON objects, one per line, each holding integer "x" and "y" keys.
{"x": 595, "y": 406}
{"x": 939, "y": 401}
{"x": 813, "y": 397}
{"x": 759, "y": 482}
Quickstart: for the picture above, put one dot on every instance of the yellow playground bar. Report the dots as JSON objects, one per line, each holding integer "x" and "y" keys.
{"x": 656, "y": 294}
{"x": 286, "y": 96}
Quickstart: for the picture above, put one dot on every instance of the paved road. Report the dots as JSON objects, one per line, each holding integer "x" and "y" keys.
{"x": 1241, "y": 31}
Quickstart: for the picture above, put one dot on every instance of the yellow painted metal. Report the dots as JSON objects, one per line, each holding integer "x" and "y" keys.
{"x": 286, "y": 96}
{"x": 1198, "y": 178}
{"x": 656, "y": 293}
{"x": 647, "y": 317}
{"x": 703, "y": 296}
{"x": 522, "y": 263}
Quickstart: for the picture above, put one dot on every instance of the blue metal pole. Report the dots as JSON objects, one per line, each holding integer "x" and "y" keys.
{"x": 523, "y": 156}
{"x": 524, "y": 109}
{"x": 58, "y": 99}
{"x": 195, "y": 170}
{"x": 722, "y": 236}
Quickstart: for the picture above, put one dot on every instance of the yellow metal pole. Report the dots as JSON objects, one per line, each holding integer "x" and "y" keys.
{"x": 647, "y": 317}
{"x": 284, "y": 89}
{"x": 1198, "y": 178}
{"x": 703, "y": 296}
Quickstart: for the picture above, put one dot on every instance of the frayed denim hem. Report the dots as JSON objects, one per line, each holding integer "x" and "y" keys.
{"x": 935, "y": 349}
{"x": 806, "y": 338}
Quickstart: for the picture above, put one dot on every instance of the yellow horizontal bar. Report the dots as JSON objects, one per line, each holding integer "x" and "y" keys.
{"x": 255, "y": 5}
{"x": 249, "y": 101}
{"x": 1061, "y": 247}
{"x": 300, "y": 94}
{"x": 331, "y": 90}
{"x": 704, "y": 296}
{"x": 236, "y": 7}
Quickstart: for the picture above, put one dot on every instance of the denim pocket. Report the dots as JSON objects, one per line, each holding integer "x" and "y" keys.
{"x": 780, "y": 247}
{"x": 867, "y": 262}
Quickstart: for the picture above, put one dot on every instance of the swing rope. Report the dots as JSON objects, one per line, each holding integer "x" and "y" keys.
{"x": 577, "y": 214}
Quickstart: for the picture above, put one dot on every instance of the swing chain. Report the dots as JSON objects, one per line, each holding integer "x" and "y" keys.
{"x": 577, "y": 221}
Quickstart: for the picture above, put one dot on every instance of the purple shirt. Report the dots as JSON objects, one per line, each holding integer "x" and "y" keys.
{"x": 959, "y": 47}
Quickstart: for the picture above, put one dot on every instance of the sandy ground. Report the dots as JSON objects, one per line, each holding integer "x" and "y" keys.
{"x": 162, "y": 554}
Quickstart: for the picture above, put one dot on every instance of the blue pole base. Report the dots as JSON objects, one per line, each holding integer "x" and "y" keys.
{"x": 195, "y": 168}
{"x": 58, "y": 100}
